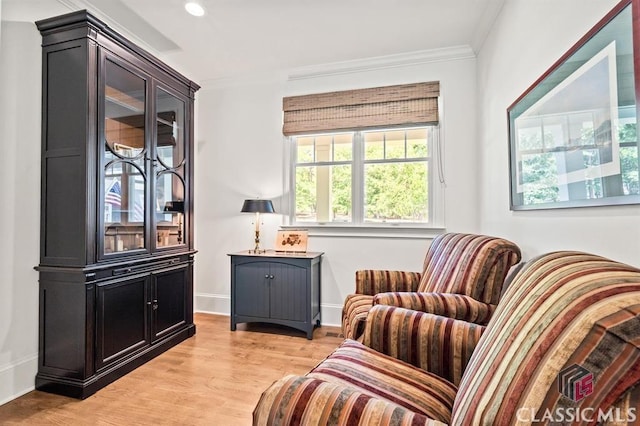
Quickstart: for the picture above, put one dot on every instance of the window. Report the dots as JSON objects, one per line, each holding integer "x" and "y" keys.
{"x": 364, "y": 178}
{"x": 365, "y": 157}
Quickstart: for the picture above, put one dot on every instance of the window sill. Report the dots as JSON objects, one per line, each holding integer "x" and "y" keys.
{"x": 340, "y": 231}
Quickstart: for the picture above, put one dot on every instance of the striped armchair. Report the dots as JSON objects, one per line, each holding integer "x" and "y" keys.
{"x": 562, "y": 347}
{"x": 462, "y": 278}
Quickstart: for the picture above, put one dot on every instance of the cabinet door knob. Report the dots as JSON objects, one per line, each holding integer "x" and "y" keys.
{"x": 266, "y": 276}
{"x": 270, "y": 277}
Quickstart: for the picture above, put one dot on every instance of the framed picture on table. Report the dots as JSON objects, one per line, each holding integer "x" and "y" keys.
{"x": 292, "y": 241}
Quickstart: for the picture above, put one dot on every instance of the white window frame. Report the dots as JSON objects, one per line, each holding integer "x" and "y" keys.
{"x": 358, "y": 227}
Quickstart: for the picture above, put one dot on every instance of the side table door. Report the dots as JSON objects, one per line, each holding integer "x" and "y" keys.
{"x": 252, "y": 289}
{"x": 288, "y": 297}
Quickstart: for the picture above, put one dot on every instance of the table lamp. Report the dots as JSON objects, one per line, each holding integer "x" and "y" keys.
{"x": 176, "y": 207}
{"x": 257, "y": 207}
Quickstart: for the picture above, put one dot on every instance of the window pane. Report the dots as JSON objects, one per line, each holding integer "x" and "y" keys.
{"x": 124, "y": 115}
{"x": 341, "y": 193}
{"x": 304, "y": 147}
{"x": 170, "y": 114}
{"x": 374, "y": 146}
{"x": 394, "y": 178}
{"x": 394, "y": 146}
{"x": 396, "y": 192}
{"x": 306, "y": 194}
{"x": 124, "y": 212}
{"x": 124, "y": 181}
{"x": 323, "y": 193}
{"x": 343, "y": 147}
{"x": 417, "y": 143}
{"x": 323, "y": 149}
{"x": 411, "y": 143}
{"x": 169, "y": 210}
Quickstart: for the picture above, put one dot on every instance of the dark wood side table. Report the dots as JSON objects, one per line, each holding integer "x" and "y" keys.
{"x": 278, "y": 288}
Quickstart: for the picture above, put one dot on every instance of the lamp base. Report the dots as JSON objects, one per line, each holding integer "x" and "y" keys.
{"x": 257, "y": 249}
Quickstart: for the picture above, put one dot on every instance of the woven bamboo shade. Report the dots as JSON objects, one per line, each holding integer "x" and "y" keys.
{"x": 388, "y": 106}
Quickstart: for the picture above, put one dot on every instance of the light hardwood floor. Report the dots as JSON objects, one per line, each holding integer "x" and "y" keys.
{"x": 214, "y": 378}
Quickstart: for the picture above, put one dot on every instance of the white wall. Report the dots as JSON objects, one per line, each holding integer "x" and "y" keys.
{"x": 528, "y": 37}
{"x": 20, "y": 88}
{"x": 240, "y": 155}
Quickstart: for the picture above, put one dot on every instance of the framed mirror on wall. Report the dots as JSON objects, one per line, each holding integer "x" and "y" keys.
{"x": 572, "y": 134}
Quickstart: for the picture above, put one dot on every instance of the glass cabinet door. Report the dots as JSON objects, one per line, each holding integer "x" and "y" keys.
{"x": 124, "y": 175}
{"x": 170, "y": 170}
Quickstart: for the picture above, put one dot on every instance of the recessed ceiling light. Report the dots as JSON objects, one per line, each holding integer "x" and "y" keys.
{"x": 194, "y": 8}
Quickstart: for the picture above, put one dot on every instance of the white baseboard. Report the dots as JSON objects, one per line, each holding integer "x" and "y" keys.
{"x": 220, "y": 304}
{"x": 331, "y": 314}
{"x": 213, "y": 303}
{"x": 18, "y": 378}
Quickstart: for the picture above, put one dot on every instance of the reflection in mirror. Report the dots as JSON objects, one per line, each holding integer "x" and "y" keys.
{"x": 170, "y": 210}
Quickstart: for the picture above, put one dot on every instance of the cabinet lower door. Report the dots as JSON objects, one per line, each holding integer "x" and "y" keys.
{"x": 251, "y": 296}
{"x": 169, "y": 303}
{"x": 288, "y": 296}
{"x": 121, "y": 320}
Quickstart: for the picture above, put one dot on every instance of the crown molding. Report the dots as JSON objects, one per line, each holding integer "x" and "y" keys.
{"x": 382, "y": 62}
{"x": 345, "y": 67}
{"x": 110, "y": 21}
{"x": 269, "y": 77}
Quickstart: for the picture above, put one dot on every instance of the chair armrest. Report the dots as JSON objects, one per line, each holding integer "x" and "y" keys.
{"x": 457, "y": 306}
{"x": 372, "y": 281}
{"x": 437, "y": 344}
{"x": 295, "y": 400}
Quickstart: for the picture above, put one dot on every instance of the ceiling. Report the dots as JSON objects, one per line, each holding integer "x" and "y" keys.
{"x": 246, "y": 37}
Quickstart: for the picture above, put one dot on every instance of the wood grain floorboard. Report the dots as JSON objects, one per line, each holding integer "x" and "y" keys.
{"x": 214, "y": 378}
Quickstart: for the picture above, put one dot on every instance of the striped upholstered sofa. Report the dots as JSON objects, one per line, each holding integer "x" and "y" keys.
{"x": 561, "y": 348}
{"x": 462, "y": 277}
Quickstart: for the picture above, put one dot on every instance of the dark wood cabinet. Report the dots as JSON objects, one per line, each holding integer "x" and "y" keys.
{"x": 276, "y": 288}
{"x": 171, "y": 303}
{"x": 122, "y": 319}
{"x": 116, "y": 253}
